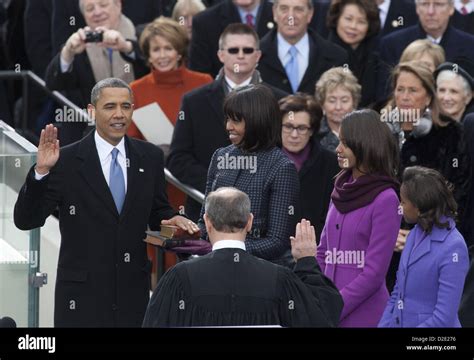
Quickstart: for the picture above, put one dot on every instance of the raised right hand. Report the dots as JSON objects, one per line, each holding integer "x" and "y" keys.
{"x": 304, "y": 242}
{"x": 48, "y": 150}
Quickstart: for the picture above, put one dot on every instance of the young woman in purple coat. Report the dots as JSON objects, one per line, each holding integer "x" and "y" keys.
{"x": 363, "y": 218}
{"x": 435, "y": 260}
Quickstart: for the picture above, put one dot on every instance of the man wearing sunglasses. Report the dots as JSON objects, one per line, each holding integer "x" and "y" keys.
{"x": 200, "y": 128}
{"x": 209, "y": 24}
{"x": 294, "y": 56}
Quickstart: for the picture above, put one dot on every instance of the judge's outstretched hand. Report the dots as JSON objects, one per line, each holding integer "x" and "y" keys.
{"x": 304, "y": 242}
{"x": 48, "y": 150}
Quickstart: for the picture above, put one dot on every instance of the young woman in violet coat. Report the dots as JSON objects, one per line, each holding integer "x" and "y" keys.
{"x": 363, "y": 218}
{"x": 435, "y": 260}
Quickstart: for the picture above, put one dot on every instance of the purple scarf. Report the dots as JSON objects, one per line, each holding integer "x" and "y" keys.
{"x": 299, "y": 158}
{"x": 350, "y": 194}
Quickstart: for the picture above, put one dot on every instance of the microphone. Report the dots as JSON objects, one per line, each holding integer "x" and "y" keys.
{"x": 424, "y": 125}
{"x": 395, "y": 117}
{"x": 7, "y": 322}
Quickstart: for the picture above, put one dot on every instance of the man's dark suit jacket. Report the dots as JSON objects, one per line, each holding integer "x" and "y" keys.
{"x": 208, "y": 26}
{"x": 323, "y": 55}
{"x": 230, "y": 287}
{"x": 456, "y": 43}
{"x": 38, "y": 15}
{"x": 198, "y": 135}
{"x": 466, "y": 315}
{"x": 318, "y": 21}
{"x": 103, "y": 270}
{"x": 468, "y": 125}
{"x": 463, "y": 22}
{"x": 401, "y": 14}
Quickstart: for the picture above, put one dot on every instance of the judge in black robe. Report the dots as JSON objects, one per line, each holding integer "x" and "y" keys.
{"x": 229, "y": 287}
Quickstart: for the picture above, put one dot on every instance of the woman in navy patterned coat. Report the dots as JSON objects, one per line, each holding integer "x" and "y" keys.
{"x": 255, "y": 164}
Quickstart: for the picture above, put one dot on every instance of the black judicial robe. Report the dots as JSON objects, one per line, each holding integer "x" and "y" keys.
{"x": 230, "y": 287}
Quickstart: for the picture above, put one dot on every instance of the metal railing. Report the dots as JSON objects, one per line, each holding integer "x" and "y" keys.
{"x": 29, "y": 76}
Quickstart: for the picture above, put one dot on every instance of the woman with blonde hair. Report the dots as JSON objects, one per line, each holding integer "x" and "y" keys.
{"x": 432, "y": 55}
{"x": 183, "y": 13}
{"x": 338, "y": 93}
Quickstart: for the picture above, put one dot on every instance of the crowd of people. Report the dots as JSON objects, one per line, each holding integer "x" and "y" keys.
{"x": 333, "y": 138}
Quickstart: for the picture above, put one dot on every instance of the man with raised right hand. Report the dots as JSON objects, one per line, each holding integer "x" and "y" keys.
{"x": 108, "y": 188}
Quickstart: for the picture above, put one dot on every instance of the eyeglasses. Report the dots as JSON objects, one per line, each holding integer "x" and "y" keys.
{"x": 235, "y": 50}
{"x": 437, "y": 5}
{"x": 301, "y": 130}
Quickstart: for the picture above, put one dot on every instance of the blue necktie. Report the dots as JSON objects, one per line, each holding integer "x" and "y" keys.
{"x": 110, "y": 54}
{"x": 117, "y": 181}
{"x": 291, "y": 69}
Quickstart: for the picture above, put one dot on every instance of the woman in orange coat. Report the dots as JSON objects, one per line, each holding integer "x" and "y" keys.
{"x": 164, "y": 43}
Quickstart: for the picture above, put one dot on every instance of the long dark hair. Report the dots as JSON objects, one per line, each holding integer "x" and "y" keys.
{"x": 429, "y": 191}
{"x": 258, "y": 107}
{"x": 372, "y": 143}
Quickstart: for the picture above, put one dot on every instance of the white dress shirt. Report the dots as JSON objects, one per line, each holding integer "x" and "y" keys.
{"x": 232, "y": 85}
{"x": 383, "y": 12}
{"x": 65, "y": 66}
{"x": 434, "y": 40}
{"x": 458, "y": 4}
{"x": 302, "y": 54}
{"x": 228, "y": 244}
{"x": 244, "y": 13}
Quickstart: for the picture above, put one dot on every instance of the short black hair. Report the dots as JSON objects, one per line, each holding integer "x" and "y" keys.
{"x": 258, "y": 107}
{"x": 371, "y": 141}
{"x": 108, "y": 83}
{"x": 429, "y": 191}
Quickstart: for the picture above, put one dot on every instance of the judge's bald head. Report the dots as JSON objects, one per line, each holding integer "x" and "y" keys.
{"x": 228, "y": 210}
